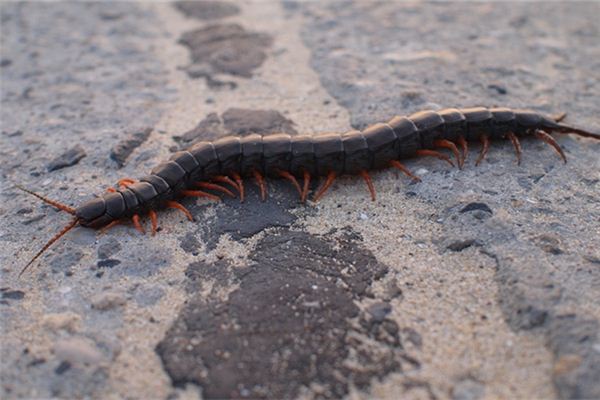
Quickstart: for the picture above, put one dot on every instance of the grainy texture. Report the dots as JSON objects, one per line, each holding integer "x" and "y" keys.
{"x": 471, "y": 284}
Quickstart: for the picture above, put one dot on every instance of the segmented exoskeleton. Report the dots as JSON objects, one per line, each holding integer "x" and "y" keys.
{"x": 208, "y": 165}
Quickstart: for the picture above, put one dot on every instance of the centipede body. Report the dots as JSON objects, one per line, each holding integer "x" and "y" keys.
{"x": 382, "y": 145}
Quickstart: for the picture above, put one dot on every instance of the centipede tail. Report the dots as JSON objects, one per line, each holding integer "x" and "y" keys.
{"x": 212, "y": 169}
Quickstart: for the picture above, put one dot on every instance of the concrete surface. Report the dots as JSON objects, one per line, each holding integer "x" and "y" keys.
{"x": 473, "y": 284}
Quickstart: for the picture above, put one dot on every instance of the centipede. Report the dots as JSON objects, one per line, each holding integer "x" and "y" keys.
{"x": 211, "y": 169}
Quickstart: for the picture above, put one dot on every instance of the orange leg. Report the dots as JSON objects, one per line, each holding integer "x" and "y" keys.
{"x": 137, "y": 225}
{"x": 559, "y": 117}
{"x": 240, "y": 184}
{"x": 401, "y": 167}
{"x": 226, "y": 179}
{"x": 436, "y": 154}
{"x": 369, "y": 182}
{"x": 485, "y": 141}
{"x": 110, "y": 225}
{"x": 125, "y": 182}
{"x": 291, "y": 178}
{"x": 517, "y": 145}
{"x": 154, "y": 220}
{"x": 464, "y": 146}
{"x": 174, "y": 204}
{"x": 446, "y": 144}
{"x": 306, "y": 177}
{"x": 328, "y": 182}
{"x": 111, "y": 190}
{"x": 214, "y": 186}
{"x": 260, "y": 181}
{"x": 550, "y": 140}
{"x": 199, "y": 193}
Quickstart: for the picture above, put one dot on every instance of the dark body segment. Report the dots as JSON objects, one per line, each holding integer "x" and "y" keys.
{"x": 172, "y": 173}
{"x": 252, "y": 155}
{"x": 357, "y": 156}
{"x": 145, "y": 193}
{"x": 479, "y": 120}
{"x": 206, "y": 156}
{"x": 303, "y": 155}
{"x": 454, "y": 123}
{"x": 229, "y": 153}
{"x": 277, "y": 153}
{"x": 115, "y": 204}
{"x": 131, "y": 200}
{"x": 329, "y": 153}
{"x": 503, "y": 121}
{"x": 430, "y": 125}
{"x": 92, "y": 213}
{"x": 186, "y": 161}
{"x": 407, "y": 133}
{"x": 160, "y": 185}
{"x": 383, "y": 145}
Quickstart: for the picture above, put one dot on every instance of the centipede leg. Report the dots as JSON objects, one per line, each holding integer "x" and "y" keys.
{"x": 328, "y": 182}
{"x": 176, "y": 205}
{"x": 226, "y": 179}
{"x": 436, "y": 154}
{"x": 516, "y": 144}
{"x": 401, "y": 167}
{"x": 305, "y": 186}
{"x": 137, "y": 225}
{"x": 291, "y": 178}
{"x": 240, "y": 183}
{"x": 485, "y": 142}
{"x": 125, "y": 182}
{"x": 111, "y": 190}
{"x": 369, "y": 182}
{"x": 110, "y": 225}
{"x": 153, "y": 220}
{"x": 552, "y": 142}
{"x": 199, "y": 193}
{"x": 464, "y": 146}
{"x": 446, "y": 144}
{"x": 559, "y": 117}
{"x": 214, "y": 186}
{"x": 260, "y": 181}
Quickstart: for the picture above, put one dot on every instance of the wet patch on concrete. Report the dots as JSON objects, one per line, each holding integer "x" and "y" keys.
{"x": 225, "y": 49}
{"x": 292, "y": 323}
{"x": 244, "y": 220}
{"x": 122, "y": 150}
{"x": 207, "y": 10}
{"x": 239, "y": 122}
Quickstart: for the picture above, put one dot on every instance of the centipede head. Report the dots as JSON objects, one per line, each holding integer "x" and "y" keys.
{"x": 62, "y": 207}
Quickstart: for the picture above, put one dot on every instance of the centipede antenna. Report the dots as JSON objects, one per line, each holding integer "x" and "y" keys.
{"x": 60, "y": 234}
{"x": 53, "y": 203}
{"x": 569, "y": 129}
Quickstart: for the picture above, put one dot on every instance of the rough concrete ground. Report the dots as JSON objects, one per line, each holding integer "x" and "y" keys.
{"x": 481, "y": 283}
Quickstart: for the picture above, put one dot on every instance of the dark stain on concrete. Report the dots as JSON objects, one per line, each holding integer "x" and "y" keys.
{"x": 529, "y": 301}
{"x": 225, "y": 49}
{"x": 239, "y": 122}
{"x": 244, "y": 220}
{"x": 207, "y": 10}
{"x": 67, "y": 159}
{"x": 290, "y": 323}
{"x": 122, "y": 150}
